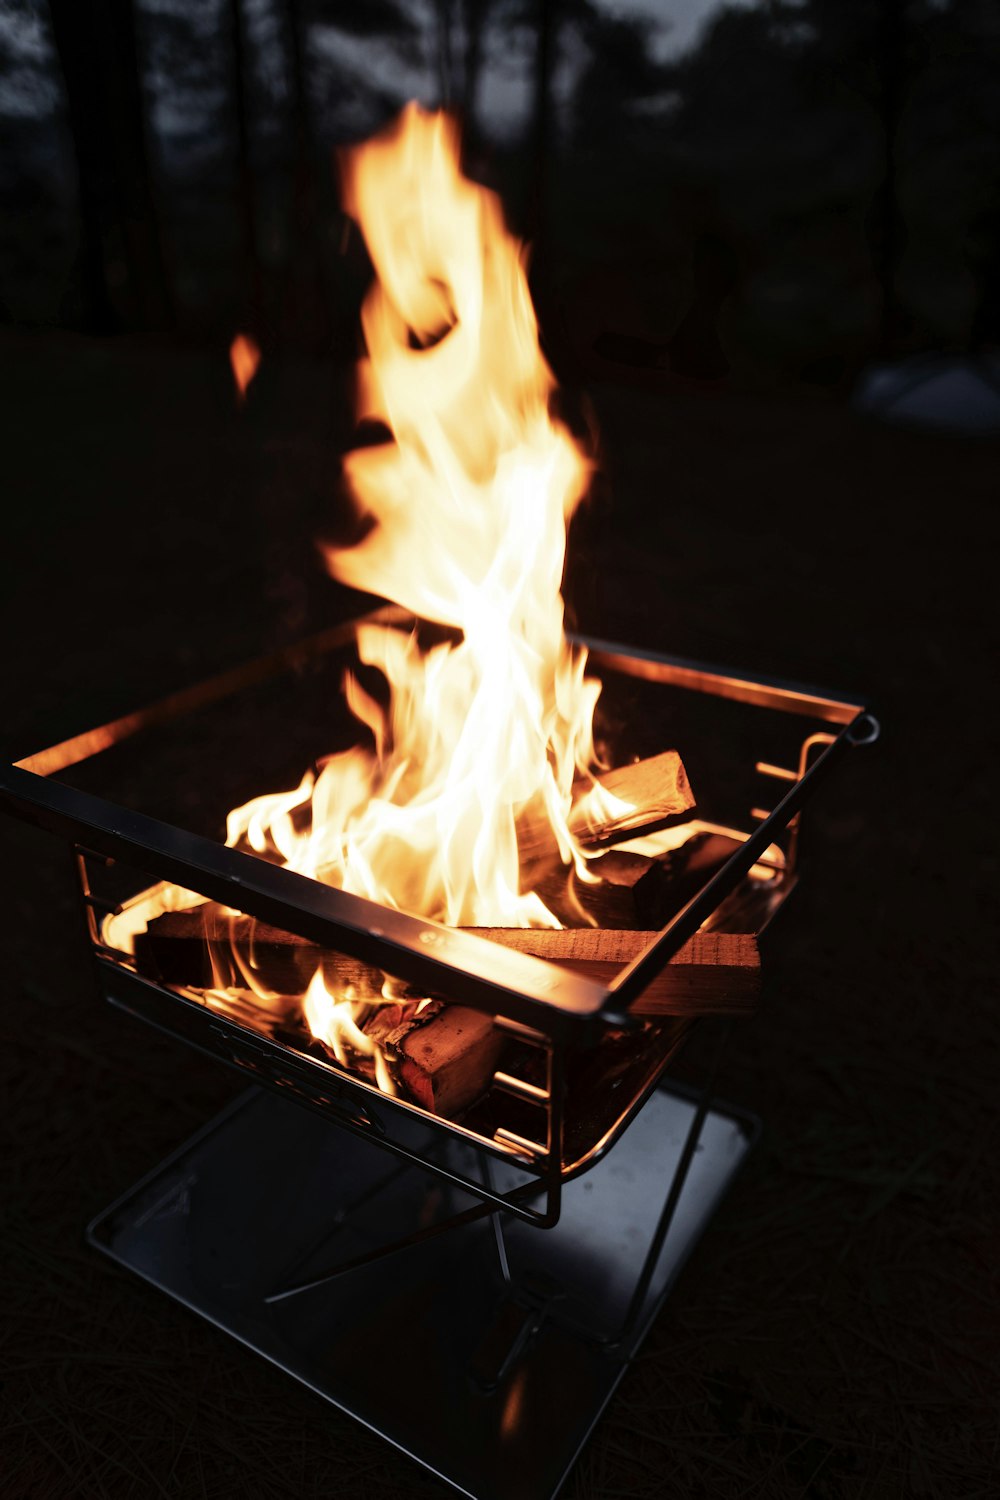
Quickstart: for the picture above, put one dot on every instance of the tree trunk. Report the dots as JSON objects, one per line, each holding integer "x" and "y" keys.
{"x": 245, "y": 183}
{"x": 120, "y": 263}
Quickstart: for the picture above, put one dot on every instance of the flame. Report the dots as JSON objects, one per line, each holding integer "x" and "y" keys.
{"x": 244, "y": 359}
{"x": 466, "y": 510}
{"x": 335, "y": 1023}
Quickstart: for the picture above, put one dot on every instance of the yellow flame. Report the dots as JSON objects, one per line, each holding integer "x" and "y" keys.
{"x": 467, "y": 509}
{"x": 335, "y": 1023}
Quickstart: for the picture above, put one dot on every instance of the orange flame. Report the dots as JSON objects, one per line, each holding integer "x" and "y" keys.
{"x": 335, "y": 1022}
{"x": 244, "y": 359}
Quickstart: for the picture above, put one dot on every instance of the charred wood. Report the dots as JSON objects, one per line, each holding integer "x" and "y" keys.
{"x": 714, "y": 973}
{"x": 656, "y": 794}
{"x": 635, "y": 890}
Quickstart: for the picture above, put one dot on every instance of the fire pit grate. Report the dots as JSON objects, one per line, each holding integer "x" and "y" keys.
{"x": 289, "y": 1257}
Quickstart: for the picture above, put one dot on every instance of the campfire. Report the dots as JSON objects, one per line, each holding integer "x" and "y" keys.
{"x": 470, "y": 939}
{"x": 476, "y": 798}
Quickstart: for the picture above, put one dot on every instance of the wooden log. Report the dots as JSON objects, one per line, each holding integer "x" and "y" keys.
{"x": 441, "y": 1056}
{"x": 612, "y": 903}
{"x": 714, "y": 973}
{"x": 636, "y": 890}
{"x": 656, "y": 792}
{"x": 444, "y": 1055}
{"x": 205, "y": 947}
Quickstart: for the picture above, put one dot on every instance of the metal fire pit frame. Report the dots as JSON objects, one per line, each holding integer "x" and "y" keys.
{"x": 537, "y": 1000}
{"x": 525, "y": 1336}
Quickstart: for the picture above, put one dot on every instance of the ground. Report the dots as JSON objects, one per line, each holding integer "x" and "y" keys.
{"x": 838, "y": 1333}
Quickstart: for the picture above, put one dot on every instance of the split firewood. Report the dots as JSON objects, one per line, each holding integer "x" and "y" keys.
{"x": 655, "y": 794}
{"x": 443, "y": 1055}
{"x": 208, "y": 948}
{"x": 714, "y": 973}
{"x": 440, "y": 1056}
{"x": 635, "y": 890}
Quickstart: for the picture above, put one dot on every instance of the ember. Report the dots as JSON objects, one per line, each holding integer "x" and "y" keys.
{"x": 244, "y": 358}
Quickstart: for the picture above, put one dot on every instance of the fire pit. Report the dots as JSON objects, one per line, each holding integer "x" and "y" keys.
{"x": 455, "y": 965}
{"x": 528, "y": 1258}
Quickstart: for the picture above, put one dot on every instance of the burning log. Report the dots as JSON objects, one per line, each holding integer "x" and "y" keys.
{"x": 655, "y": 793}
{"x": 714, "y": 973}
{"x": 443, "y": 1055}
{"x": 641, "y": 891}
{"x": 186, "y": 948}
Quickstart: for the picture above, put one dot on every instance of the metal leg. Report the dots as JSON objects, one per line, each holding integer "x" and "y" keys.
{"x": 541, "y": 1301}
{"x": 529, "y": 1301}
{"x": 525, "y": 1308}
{"x": 417, "y": 1237}
{"x": 344, "y": 1211}
{"x": 497, "y": 1219}
{"x": 673, "y": 1198}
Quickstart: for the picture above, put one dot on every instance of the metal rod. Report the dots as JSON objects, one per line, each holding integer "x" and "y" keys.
{"x": 677, "y": 1182}
{"x": 110, "y": 908}
{"x": 633, "y": 979}
{"x": 344, "y": 1210}
{"x": 497, "y": 1222}
{"x": 418, "y": 1237}
{"x": 723, "y": 682}
{"x": 82, "y": 746}
{"x": 522, "y": 1090}
{"x": 518, "y": 1029}
{"x": 781, "y": 773}
{"x": 521, "y": 1143}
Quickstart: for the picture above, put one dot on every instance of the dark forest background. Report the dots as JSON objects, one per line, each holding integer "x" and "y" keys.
{"x": 742, "y": 215}
{"x": 773, "y": 191}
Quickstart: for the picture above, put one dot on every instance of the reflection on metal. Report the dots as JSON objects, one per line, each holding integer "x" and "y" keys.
{"x": 289, "y": 658}
{"x": 721, "y": 682}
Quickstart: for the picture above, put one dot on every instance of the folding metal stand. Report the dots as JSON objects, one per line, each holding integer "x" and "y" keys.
{"x": 486, "y": 1351}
